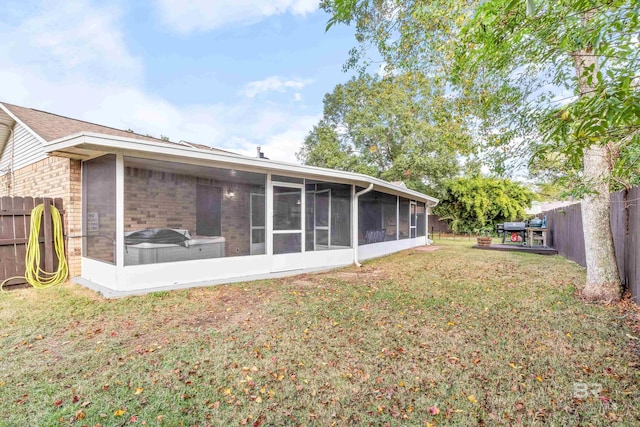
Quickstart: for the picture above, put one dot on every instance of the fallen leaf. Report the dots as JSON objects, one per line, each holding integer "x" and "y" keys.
{"x": 434, "y": 410}
{"x": 57, "y": 403}
{"x": 119, "y": 412}
{"x": 139, "y": 390}
{"x": 472, "y": 398}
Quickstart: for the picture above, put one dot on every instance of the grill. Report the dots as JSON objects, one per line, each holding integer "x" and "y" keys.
{"x": 514, "y": 226}
{"x": 508, "y": 228}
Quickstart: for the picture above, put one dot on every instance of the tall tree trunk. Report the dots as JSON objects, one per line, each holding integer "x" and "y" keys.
{"x": 603, "y": 280}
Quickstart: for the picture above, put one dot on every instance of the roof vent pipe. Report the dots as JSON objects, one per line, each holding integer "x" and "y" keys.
{"x": 260, "y": 154}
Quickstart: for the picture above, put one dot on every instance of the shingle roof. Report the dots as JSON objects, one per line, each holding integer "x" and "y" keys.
{"x": 53, "y": 126}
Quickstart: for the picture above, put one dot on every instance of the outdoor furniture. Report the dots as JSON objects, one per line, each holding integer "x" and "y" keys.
{"x": 537, "y": 234}
{"x": 374, "y": 236}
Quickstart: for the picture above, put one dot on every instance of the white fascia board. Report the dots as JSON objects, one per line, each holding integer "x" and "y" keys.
{"x": 132, "y": 146}
{"x": 17, "y": 120}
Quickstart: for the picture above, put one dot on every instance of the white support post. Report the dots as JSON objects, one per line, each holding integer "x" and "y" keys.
{"x": 397, "y": 217}
{"x": 354, "y": 219}
{"x": 268, "y": 223}
{"x": 120, "y": 219}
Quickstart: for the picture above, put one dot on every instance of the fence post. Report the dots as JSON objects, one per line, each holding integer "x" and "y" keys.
{"x": 48, "y": 236}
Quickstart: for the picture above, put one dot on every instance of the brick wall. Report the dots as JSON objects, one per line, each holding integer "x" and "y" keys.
{"x": 53, "y": 177}
{"x": 155, "y": 199}
{"x": 236, "y": 224}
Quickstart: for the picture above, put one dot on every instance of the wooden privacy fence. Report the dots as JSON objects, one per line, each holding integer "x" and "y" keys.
{"x": 565, "y": 227}
{"x": 15, "y": 220}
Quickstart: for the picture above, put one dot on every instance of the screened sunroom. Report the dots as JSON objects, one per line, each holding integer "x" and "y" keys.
{"x": 162, "y": 216}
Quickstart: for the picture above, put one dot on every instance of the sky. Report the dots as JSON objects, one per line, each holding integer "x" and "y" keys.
{"x": 229, "y": 74}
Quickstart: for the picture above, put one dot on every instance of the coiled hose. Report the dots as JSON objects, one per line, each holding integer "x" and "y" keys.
{"x": 34, "y": 275}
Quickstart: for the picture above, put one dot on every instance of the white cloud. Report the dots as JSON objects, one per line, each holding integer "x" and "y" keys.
{"x": 102, "y": 82}
{"x": 186, "y": 16}
{"x": 72, "y": 38}
{"x": 273, "y": 84}
{"x": 283, "y": 145}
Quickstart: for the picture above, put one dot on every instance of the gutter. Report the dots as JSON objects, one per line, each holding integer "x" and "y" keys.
{"x": 110, "y": 143}
{"x": 354, "y": 220}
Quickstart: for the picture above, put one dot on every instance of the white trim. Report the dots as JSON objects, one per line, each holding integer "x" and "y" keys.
{"x": 397, "y": 217}
{"x": 257, "y": 227}
{"x": 355, "y": 199}
{"x": 268, "y": 220}
{"x": 413, "y": 217}
{"x": 103, "y": 273}
{"x": 14, "y": 117}
{"x": 294, "y": 260}
{"x": 110, "y": 143}
{"x": 138, "y": 279}
{"x": 327, "y": 227}
{"x": 119, "y": 214}
{"x": 376, "y": 250}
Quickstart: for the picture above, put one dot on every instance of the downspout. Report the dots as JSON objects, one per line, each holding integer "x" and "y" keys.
{"x": 354, "y": 227}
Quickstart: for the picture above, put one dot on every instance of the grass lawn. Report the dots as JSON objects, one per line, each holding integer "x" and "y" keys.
{"x": 450, "y": 337}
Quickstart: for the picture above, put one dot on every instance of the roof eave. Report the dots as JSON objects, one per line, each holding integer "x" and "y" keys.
{"x": 82, "y": 142}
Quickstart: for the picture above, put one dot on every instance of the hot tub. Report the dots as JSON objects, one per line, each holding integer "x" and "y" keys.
{"x": 197, "y": 247}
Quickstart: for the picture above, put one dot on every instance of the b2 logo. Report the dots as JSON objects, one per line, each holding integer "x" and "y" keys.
{"x": 583, "y": 390}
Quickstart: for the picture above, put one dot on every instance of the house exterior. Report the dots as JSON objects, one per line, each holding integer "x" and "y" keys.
{"x": 145, "y": 214}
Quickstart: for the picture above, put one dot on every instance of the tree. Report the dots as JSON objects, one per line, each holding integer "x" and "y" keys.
{"x": 475, "y": 204}
{"x": 552, "y": 76}
{"x": 585, "y": 46}
{"x": 398, "y": 128}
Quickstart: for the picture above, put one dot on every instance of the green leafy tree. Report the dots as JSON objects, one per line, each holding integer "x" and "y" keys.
{"x": 476, "y": 204}
{"x": 541, "y": 79}
{"x": 398, "y": 128}
{"x": 585, "y": 47}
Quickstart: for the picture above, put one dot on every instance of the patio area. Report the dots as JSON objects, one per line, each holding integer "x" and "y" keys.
{"x": 518, "y": 247}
